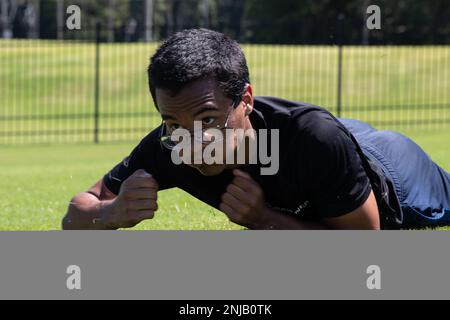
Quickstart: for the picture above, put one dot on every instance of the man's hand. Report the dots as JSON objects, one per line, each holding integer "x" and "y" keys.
{"x": 243, "y": 201}
{"x": 135, "y": 202}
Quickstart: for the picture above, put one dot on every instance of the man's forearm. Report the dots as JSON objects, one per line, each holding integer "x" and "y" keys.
{"x": 85, "y": 213}
{"x": 274, "y": 220}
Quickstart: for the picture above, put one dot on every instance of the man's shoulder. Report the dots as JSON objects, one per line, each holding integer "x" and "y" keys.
{"x": 279, "y": 105}
{"x": 300, "y": 119}
{"x": 151, "y": 141}
{"x": 150, "y": 149}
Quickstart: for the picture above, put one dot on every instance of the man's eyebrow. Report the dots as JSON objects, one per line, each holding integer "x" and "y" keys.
{"x": 205, "y": 109}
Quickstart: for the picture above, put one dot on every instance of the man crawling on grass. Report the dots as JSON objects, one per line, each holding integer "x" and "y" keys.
{"x": 265, "y": 162}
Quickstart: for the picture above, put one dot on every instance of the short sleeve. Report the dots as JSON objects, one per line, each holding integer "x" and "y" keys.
{"x": 146, "y": 155}
{"x": 338, "y": 183}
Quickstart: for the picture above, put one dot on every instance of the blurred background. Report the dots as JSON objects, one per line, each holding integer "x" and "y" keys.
{"x": 74, "y": 102}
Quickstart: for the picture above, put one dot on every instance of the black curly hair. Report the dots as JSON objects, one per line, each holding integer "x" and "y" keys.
{"x": 194, "y": 54}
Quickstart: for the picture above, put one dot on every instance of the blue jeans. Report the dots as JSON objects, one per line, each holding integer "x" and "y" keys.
{"x": 422, "y": 187}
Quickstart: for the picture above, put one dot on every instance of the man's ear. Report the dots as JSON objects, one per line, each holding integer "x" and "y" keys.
{"x": 247, "y": 99}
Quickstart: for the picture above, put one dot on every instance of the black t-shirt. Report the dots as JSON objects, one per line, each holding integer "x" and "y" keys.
{"x": 320, "y": 172}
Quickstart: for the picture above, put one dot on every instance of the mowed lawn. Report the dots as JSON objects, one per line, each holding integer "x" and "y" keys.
{"x": 37, "y": 183}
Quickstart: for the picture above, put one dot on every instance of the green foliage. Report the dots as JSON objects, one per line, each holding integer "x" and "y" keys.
{"x": 270, "y": 21}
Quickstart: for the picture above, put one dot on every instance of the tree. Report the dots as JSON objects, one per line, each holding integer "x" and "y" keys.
{"x": 148, "y": 20}
{"x": 8, "y": 9}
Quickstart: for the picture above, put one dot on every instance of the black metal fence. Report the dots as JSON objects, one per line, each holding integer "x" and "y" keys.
{"x": 84, "y": 89}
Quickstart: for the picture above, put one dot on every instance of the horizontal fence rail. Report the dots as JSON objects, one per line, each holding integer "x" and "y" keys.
{"x": 63, "y": 91}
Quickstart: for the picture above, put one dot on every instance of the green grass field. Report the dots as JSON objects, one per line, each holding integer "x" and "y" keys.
{"x": 57, "y": 78}
{"x": 39, "y": 181}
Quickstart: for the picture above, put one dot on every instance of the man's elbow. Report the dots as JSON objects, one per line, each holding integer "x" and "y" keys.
{"x": 65, "y": 225}
{"x": 78, "y": 204}
{"x": 68, "y": 217}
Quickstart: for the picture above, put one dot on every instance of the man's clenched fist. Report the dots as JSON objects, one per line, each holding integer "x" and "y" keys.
{"x": 243, "y": 201}
{"x": 135, "y": 202}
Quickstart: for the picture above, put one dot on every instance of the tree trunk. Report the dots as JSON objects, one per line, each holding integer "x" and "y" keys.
{"x": 148, "y": 20}
{"x": 170, "y": 17}
{"x": 7, "y": 17}
{"x": 110, "y": 21}
{"x": 205, "y": 13}
{"x": 60, "y": 19}
{"x": 365, "y": 30}
{"x": 37, "y": 26}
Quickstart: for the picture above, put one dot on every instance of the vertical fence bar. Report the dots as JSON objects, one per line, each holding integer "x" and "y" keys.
{"x": 340, "y": 38}
{"x": 339, "y": 82}
{"x": 97, "y": 83}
